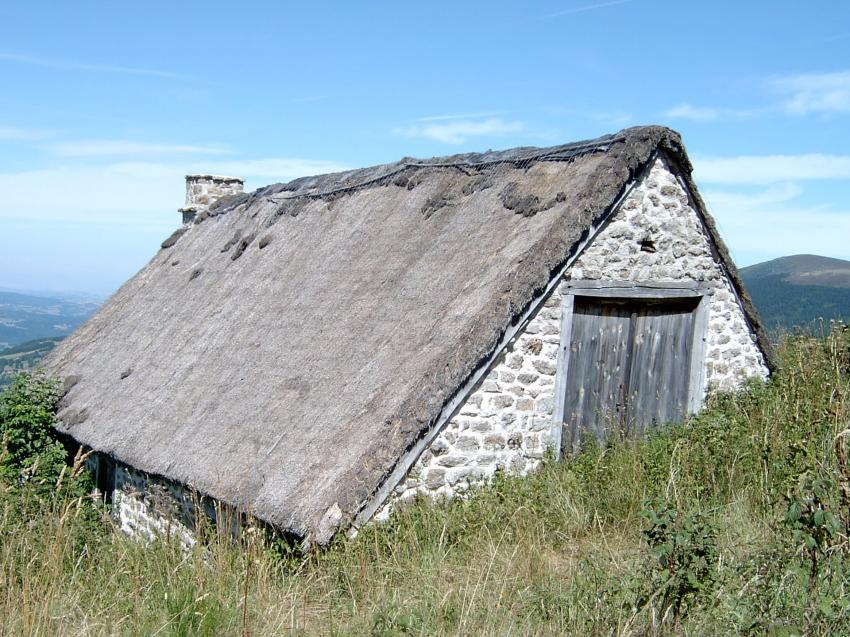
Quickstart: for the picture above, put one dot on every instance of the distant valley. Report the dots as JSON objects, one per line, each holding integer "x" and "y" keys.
{"x": 25, "y": 316}
{"x": 800, "y": 290}
{"x": 32, "y": 324}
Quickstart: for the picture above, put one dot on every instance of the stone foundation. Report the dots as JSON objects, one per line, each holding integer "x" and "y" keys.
{"x": 148, "y": 507}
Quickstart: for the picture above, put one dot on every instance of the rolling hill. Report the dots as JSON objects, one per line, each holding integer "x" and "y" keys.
{"x": 799, "y": 290}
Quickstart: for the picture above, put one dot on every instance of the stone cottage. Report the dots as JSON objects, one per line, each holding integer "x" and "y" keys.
{"x": 314, "y": 352}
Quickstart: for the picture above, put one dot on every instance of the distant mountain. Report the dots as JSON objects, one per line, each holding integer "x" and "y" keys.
{"x": 24, "y": 317}
{"x": 23, "y": 358}
{"x": 805, "y": 269}
{"x": 799, "y": 290}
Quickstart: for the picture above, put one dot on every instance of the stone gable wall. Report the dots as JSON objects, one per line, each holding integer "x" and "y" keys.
{"x": 507, "y": 422}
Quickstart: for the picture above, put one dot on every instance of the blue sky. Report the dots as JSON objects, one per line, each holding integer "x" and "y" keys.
{"x": 105, "y": 106}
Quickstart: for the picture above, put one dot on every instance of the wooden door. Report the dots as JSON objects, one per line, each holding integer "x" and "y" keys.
{"x": 628, "y": 366}
{"x": 662, "y": 337}
{"x": 597, "y": 373}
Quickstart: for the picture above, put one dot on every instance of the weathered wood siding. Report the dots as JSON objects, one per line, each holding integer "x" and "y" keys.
{"x": 628, "y": 366}
{"x": 660, "y": 364}
{"x": 599, "y": 356}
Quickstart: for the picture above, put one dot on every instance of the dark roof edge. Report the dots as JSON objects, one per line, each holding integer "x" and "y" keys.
{"x": 341, "y": 183}
{"x": 684, "y": 169}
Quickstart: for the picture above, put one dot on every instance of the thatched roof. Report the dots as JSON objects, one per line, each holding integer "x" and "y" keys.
{"x": 284, "y": 351}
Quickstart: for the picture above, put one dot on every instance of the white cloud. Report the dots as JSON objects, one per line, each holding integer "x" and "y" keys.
{"x": 129, "y": 193}
{"x": 457, "y": 131}
{"x": 12, "y": 133}
{"x": 763, "y": 208}
{"x": 835, "y": 38}
{"x": 762, "y": 199}
{"x": 766, "y": 169}
{"x": 116, "y": 147}
{"x": 815, "y": 93}
{"x": 711, "y": 113}
{"x": 803, "y": 94}
{"x": 69, "y": 65}
{"x": 587, "y": 7}
{"x": 440, "y": 118}
{"x": 770, "y": 223}
{"x": 697, "y": 113}
{"x": 89, "y": 194}
{"x": 275, "y": 169}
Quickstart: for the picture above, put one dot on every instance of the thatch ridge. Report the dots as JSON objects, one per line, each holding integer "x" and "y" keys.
{"x": 292, "y": 344}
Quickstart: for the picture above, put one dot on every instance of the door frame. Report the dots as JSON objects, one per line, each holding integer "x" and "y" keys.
{"x": 631, "y": 290}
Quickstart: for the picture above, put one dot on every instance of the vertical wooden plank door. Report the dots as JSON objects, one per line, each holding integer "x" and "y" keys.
{"x": 597, "y": 374}
{"x": 629, "y": 365}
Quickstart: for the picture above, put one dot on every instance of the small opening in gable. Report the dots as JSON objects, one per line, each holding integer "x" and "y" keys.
{"x": 647, "y": 245}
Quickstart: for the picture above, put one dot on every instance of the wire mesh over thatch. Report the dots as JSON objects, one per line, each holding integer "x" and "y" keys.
{"x": 285, "y": 350}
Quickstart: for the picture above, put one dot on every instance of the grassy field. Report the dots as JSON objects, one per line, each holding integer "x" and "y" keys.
{"x": 732, "y": 523}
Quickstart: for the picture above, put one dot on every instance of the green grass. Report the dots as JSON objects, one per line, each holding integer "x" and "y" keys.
{"x": 686, "y": 532}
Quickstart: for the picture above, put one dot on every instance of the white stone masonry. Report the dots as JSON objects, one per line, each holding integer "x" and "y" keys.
{"x": 203, "y": 190}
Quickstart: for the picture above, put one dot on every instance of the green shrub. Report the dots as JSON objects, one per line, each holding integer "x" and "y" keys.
{"x": 684, "y": 548}
{"x": 31, "y": 451}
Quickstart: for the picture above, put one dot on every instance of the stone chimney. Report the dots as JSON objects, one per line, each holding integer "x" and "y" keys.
{"x": 203, "y": 190}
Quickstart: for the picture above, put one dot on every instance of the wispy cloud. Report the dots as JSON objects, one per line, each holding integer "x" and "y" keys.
{"x": 440, "y": 118}
{"x": 612, "y": 118}
{"x": 118, "y": 147}
{"x": 711, "y": 113}
{"x": 12, "y": 133}
{"x": 835, "y": 38}
{"x": 766, "y": 225}
{"x": 138, "y": 194}
{"x": 815, "y": 93}
{"x": 449, "y": 130}
{"x": 762, "y": 205}
{"x": 256, "y": 172}
{"x": 696, "y": 113}
{"x": 272, "y": 169}
{"x": 803, "y": 94}
{"x": 768, "y": 169}
{"x": 70, "y": 65}
{"x": 587, "y": 7}
{"x": 762, "y": 198}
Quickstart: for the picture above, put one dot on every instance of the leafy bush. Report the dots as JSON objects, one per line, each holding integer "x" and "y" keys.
{"x": 685, "y": 552}
{"x": 31, "y": 452}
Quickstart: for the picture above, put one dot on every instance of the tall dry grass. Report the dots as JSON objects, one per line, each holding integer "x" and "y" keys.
{"x": 559, "y": 552}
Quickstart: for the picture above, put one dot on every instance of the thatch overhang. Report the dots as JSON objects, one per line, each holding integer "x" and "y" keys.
{"x": 283, "y": 352}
